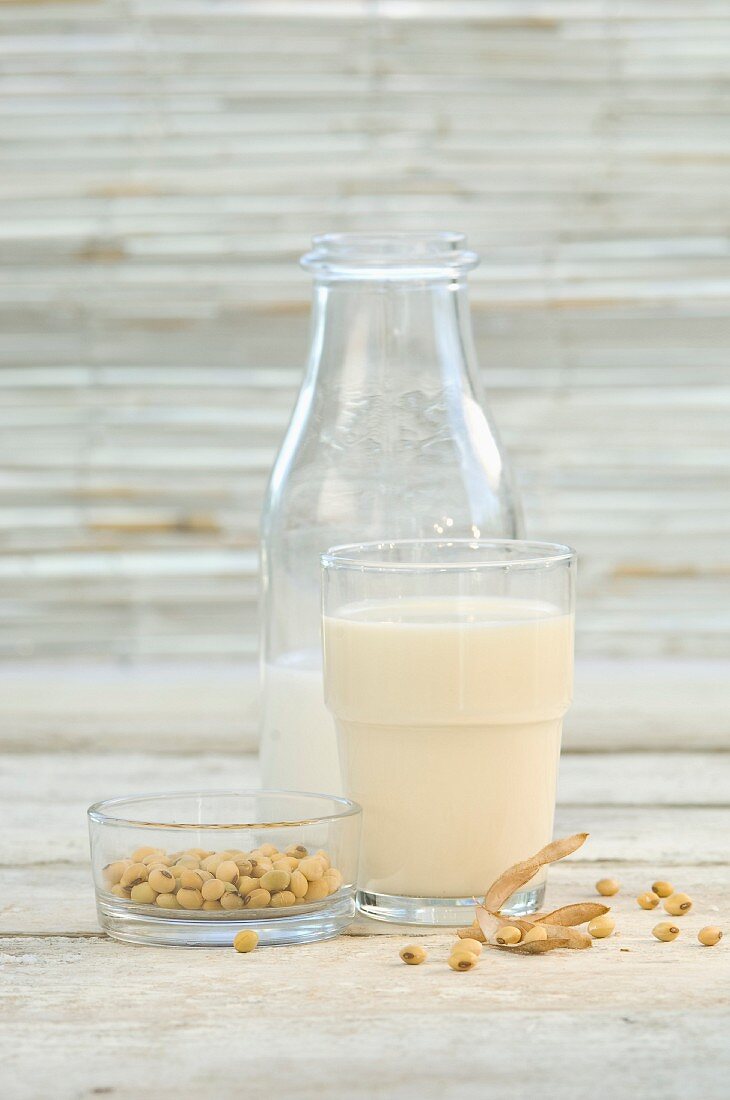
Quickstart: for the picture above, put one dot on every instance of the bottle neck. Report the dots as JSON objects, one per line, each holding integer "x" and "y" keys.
{"x": 392, "y": 337}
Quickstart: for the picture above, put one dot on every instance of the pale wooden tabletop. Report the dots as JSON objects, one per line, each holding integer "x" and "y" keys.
{"x": 84, "y": 1016}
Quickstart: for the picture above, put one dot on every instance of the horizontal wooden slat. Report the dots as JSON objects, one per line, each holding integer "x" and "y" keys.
{"x": 177, "y": 708}
{"x": 65, "y": 905}
{"x": 189, "y": 705}
{"x": 79, "y": 994}
{"x": 163, "y": 168}
{"x": 46, "y": 822}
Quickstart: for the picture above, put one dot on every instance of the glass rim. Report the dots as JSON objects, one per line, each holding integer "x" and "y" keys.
{"x": 98, "y": 811}
{"x": 535, "y": 554}
{"x": 383, "y": 255}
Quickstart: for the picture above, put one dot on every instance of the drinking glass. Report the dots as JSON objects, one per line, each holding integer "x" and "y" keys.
{"x": 448, "y": 669}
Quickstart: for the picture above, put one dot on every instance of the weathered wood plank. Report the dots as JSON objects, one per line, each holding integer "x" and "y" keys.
{"x": 153, "y": 321}
{"x": 663, "y": 835}
{"x": 620, "y": 705}
{"x": 673, "y": 808}
{"x": 327, "y": 1011}
{"x": 64, "y": 906}
{"x": 350, "y": 1009}
{"x": 637, "y": 779}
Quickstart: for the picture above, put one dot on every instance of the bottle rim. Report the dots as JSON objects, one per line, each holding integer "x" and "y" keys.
{"x": 383, "y": 256}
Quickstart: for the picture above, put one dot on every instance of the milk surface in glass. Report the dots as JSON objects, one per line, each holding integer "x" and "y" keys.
{"x": 449, "y": 714}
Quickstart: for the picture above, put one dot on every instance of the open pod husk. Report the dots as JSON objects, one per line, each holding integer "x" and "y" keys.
{"x": 535, "y": 947}
{"x": 473, "y": 932}
{"x": 570, "y": 916}
{"x": 570, "y": 937}
{"x": 559, "y": 935}
{"x": 560, "y": 925}
{"x": 516, "y": 876}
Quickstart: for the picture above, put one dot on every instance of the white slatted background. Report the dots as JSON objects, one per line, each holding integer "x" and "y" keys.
{"x": 164, "y": 162}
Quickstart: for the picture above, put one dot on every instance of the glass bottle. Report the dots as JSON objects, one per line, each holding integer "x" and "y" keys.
{"x": 389, "y": 439}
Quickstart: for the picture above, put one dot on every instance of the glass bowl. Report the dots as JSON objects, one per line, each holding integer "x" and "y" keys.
{"x": 191, "y": 869}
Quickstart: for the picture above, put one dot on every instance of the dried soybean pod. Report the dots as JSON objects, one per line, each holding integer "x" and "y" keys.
{"x": 474, "y": 932}
{"x": 488, "y": 922}
{"x": 570, "y": 916}
{"x": 567, "y": 935}
{"x": 535, "y": 947}
{"x": 516, "y": 876}
{"x": 574, "y": 938}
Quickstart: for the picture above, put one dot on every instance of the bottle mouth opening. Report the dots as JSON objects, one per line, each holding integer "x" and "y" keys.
{"x": 389, "y": 255}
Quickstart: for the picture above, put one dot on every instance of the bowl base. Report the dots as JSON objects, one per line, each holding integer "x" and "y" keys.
{"x": 146, "y": 925}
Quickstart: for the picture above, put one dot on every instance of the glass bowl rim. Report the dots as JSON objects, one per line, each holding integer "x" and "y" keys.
{"x": 536, "y": 553}
{"x": 97, "y": 812}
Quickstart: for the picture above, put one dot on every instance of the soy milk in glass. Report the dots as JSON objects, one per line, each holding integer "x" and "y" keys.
{"x": 448, "y": 669}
